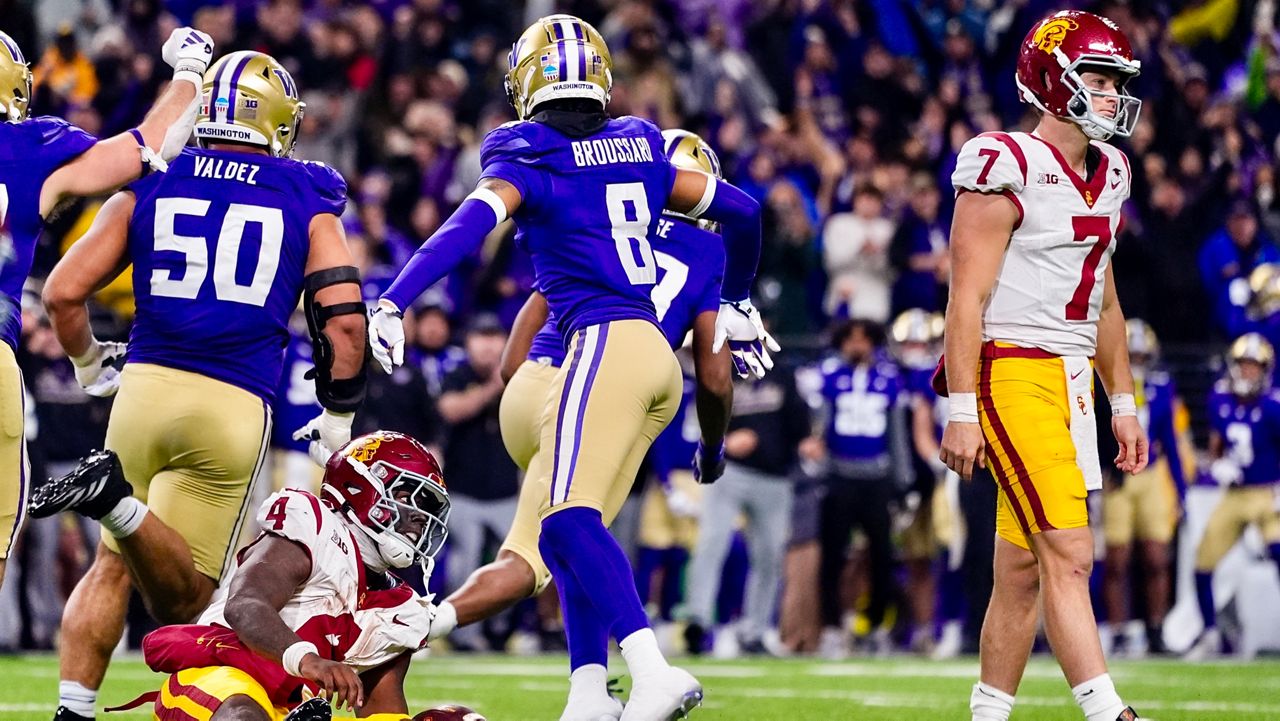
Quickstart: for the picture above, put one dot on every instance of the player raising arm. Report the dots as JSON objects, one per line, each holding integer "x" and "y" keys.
{"x": 1032, "y": 312}
{"x": 223, "y": 246}
{"x": 44, "y": 161}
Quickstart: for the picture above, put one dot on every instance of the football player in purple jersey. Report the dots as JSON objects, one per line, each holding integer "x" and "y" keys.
{"x": 44, "y": 161}
{"x": 690, "y": 259}
{"x": 586, "y": 192}
{"x": 223, "y": 245}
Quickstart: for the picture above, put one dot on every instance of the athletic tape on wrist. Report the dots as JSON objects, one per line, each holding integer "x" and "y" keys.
{"x": 292, "y": 657}
{"x": 1123, "y": 404}
{"x": 963, "y": 407}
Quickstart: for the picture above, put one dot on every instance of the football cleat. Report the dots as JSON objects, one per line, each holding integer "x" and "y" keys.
{"x": 605, "y": 708}
{"x": 65, "y": 714}
{"x": 93, "y": 489}
{"x": 314, "y": 709}
{"x": 1128, "y": 714}
{"x": 664, "y": 696}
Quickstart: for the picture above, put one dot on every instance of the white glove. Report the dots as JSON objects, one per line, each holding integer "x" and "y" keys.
{"x": 739, "y": 323}
{"x": 98, "y": 370}
{"x": 327, "y": 432}
{"x": 189, "y": 52}
{"x": 386, "y": 335}
{"x": 681, "y": 504}
{"x": 1226, "y": 472}
{"x": 444, "y": 619}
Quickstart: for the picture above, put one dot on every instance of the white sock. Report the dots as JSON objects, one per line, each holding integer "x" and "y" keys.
{"x": 988, "y": 703}
{"x": 640, "y": 651}
{"x": 1098, "y": 699}
{"x": 589, "y": 680}
{"x": 125, "y": 518}
{"x": 77, "y": 698}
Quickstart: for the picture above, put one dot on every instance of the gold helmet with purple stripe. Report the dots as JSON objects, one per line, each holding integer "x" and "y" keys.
{"x": 557, "y": 57}
{"x": 250, "y": 98}
{"x": 689, "y": 151}
{"x": 15, "y": 81}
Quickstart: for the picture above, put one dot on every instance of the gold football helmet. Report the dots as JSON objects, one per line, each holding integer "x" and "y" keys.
{"x": 15, "y": 81}
{"x": 558, "y": 56}
{"x": 689, "y": 151}
{"x": 915, "y": 337}
{"x": 1250, "y": 348}
{"x": 250, "y": 98}
{"x": 1264, "y": 291}
{"x": 1142, "y": 342}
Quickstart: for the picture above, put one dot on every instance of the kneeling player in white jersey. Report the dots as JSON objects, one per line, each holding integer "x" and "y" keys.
{"x": 1033, "y": 308}
{"x": 310, "y": 608}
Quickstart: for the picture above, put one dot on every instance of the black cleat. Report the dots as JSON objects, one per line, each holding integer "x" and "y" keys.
{"x": 695, "y": 639}
{"x": 316, "y": 709}
{"x": 93, "y": 489}
{"x": 65, "y": 714}
{"x": 1128, "y": 714}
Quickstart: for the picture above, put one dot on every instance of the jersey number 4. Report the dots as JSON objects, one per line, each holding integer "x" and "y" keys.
{"x": 195, "y": 251}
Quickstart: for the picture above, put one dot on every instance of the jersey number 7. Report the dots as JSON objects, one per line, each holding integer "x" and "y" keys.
{"x": 1083, "y": 228}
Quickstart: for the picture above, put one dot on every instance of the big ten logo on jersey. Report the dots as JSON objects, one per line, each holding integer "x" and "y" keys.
{"x": 338, "y": 541}
{"x": 1047, "y": 179}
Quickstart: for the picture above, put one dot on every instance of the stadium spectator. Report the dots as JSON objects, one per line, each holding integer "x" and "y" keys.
{"x": 855, "y": 249}
{"x": 483, "y": 480}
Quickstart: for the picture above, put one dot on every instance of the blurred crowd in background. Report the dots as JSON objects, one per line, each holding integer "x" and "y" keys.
{"x": 843, "y": 118}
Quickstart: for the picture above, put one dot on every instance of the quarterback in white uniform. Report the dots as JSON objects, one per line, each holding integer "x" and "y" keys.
{"x": 310, "y": 608}
{"x": 1032, "y": 313}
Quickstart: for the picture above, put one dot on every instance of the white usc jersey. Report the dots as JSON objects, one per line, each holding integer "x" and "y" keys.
{"x": 1048, "y": 293}
{"x": 335, "y": 609}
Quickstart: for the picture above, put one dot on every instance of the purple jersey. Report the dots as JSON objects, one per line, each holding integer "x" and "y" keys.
{"x": 219, "y": 244}
{"x": 1250, "y": 432}
{"x": 589, "y": 207}
{"x": 690, "y": 268}
{"x": 296, "y": 402}
{"x": 29, "y": 153}
{"x": 1156, "y": 413}
{"x": 861, "y": 401}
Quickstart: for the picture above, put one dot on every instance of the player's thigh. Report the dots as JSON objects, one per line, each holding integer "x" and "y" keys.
{"x": 1263, "y": 504}
{"x": 522, "y": 537}
{"x": 657, "y": 523}
{"x": 619, "y": 388}
{"x": 198, "y": 693}
{"x": 520, "y": 411}
{"x": 1225, "y": 525}
{"x": 1118, "y": 513}
{"x": 1155, "y": 503}
{"x": 1025, "y": 421}
{"x": 207, "y": 445}
{"x": 15, "y": 481}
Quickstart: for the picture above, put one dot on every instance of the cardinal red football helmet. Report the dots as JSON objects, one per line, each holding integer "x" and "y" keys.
{"x": 390, "y": 487}
{"x": 1062, "y": 46}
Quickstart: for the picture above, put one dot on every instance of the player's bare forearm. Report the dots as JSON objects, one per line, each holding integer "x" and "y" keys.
{"x": 272, "y": 571}
{"x": 714, "y": 373}
{"x": 170, "y": 106}
{"x": 530, "y": 319}
{"x": 117, "y": 160}
{"x": 923, "y": 434}
{"x": 386, "y": 688}
{"x": 980, "y": 232}
{"x": 1112, "y": 359}
{"x": 90, "y": 264}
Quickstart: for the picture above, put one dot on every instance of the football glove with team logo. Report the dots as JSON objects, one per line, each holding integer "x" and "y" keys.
{"x": 188, "y": 51}
{"x": 386, "y": 335}
{"x": 98, "y": 370}
{"x": 326, "y": 432}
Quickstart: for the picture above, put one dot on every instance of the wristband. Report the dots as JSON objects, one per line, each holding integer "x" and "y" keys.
{"x": 292, "y": 657}
{"x": 191, "y": 76}
{"x": 1123, "y": 404}
{"x": 963, "y": 408}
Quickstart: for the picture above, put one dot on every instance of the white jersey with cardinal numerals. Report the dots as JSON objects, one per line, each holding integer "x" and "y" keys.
{"x": 334, "y": 608}
{"x": 1048, "y": 293}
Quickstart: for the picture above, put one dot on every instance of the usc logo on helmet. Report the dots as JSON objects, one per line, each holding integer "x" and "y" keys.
{"x": 368, "y": 446}
{"x": 1051, "y": 34}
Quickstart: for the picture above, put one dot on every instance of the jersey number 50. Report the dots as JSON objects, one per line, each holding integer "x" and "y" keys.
{"x": 195, "y": 251}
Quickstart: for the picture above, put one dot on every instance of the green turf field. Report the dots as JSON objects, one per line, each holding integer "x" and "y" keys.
{"x": 506, "y": 688}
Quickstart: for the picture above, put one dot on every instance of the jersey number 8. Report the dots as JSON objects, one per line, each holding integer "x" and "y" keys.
{"x": 195, "y": 251}
{"x": 638, "y": 265}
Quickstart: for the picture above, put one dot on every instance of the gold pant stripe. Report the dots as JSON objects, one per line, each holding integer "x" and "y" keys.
{"x": 234, "y": 539}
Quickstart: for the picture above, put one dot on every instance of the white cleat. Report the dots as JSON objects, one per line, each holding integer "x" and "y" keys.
{"x": 664, "y": 696}
{"x": 607, "y": 708}
{"x": 1206, "y": 648}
